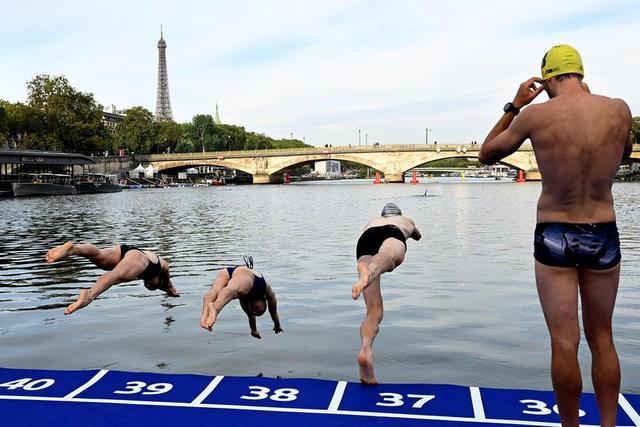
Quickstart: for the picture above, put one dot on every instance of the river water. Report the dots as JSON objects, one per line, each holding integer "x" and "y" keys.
{"x": 462, "y": 309}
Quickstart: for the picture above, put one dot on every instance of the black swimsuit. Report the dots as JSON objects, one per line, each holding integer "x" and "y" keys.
{"x": 258, "y": 290}
{"x": 154, "y": 269}
{"x": 372, "y": 238}
{"x": 595, "y": 246}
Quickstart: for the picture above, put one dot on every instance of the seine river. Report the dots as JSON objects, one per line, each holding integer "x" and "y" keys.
{"x": 462, "y": 309}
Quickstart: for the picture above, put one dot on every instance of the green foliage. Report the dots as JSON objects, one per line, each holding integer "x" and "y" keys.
{"x": 168, "y": 136}
{"x": 453, "y": 163}
{"x": 137, "y": 134}
{"x": 635, "y": 129}
{"x": 24, "y": 126}
{"x": 72, "y": 120}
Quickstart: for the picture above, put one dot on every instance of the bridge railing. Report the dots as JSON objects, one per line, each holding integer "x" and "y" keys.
{"x": 460, "y": 148}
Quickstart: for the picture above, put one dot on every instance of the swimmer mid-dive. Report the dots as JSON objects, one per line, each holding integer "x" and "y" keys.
{"x": 123, "y": 263}
{"x": 380, "y": 249}
{"x": 579, "y": 140}
{"x": 249, "y": 287}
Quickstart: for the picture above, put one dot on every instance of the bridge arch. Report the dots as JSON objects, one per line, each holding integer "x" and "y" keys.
{"x": 179, "y": 164}
{"x": 289, "y": 163}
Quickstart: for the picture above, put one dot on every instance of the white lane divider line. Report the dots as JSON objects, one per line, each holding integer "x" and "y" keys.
{"x": 88, "y": 384}
{"x": 207, "y": 390}
{"x": 632, "y": 413}
{"x": 337, "y": 396}
{"x": 476, "y": 400}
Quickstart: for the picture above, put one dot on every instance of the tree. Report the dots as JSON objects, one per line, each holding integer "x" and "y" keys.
{"x": 137, "y": 134}
{"x": 202, "y": 132}
{"x": 635, "y": 130}
{"x": 169, "y": 135}
{"x": 25, "y": 127}
{"x": 72, "y": 119}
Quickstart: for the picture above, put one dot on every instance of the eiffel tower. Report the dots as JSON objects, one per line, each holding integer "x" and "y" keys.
{"x": 163, "y": 102}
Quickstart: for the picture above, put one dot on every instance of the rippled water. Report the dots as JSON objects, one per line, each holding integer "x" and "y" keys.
{"x": 462, "y": 309}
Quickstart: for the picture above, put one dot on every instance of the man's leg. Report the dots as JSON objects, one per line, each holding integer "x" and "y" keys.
{"x": 598, "y": 291}
{"x": 369, "y": 331}
{"x": 389, "y": 256}
{"x": 106, "y": 259}
{"x": 558, "y": 292}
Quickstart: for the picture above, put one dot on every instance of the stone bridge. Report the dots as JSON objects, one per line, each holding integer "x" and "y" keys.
{"x": 269, "y": 166}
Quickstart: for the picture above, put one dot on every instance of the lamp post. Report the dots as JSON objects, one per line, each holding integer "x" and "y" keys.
{"x": 359, "y": 132}
{"x": 426, "y": 135}
{"x": 366, "y": 139}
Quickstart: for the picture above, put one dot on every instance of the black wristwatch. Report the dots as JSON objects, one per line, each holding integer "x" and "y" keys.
{"x": 510, "y": 108}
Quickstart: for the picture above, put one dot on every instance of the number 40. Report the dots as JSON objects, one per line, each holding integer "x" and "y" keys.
{"x": 28, "y": 384}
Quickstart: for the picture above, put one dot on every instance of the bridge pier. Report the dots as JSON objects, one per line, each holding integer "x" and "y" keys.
{"x": 394, "y": 177}
{"x": 268, "y": 179}
{"x": 533, "y": 175}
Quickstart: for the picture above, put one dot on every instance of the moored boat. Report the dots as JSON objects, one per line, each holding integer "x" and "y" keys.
{"x": 97, "y": 183}
{"x": 43, "y": 184}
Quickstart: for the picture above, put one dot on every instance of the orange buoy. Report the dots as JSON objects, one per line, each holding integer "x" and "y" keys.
{"x": 414, "y": 177}
{"x": 377, "y": 180}
{"x": 520, "y": 176}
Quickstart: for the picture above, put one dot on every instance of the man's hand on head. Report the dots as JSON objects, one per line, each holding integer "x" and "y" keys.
{"x": 528, "y": 91}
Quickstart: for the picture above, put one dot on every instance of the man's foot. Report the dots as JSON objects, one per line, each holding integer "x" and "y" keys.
{"x": 365, "y": 360}
{"x": 363, "y": 282}
{"x": 83, "y": 301}
{"x": 59, "y": 252}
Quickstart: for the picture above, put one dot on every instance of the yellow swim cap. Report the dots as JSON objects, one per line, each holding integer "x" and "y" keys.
{"x": 561, "y": 59}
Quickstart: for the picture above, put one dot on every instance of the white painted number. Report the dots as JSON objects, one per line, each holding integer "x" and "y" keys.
{"x": 28, "y": 385}
{"x": 538, "y": 407}
{"x": 395, "y": 399}
{"x": 279, "y": 395}
{"x": 134, "y": 387}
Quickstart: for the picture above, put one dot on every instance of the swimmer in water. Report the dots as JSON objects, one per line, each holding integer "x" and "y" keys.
{"x": 579, "y": 140}
{"x": 123, "y": 263}
{"x": 380, "y": 249}
{"x": 249, "y": 287}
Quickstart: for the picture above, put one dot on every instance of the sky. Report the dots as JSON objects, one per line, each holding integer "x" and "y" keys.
{"x": 331, "y": 71}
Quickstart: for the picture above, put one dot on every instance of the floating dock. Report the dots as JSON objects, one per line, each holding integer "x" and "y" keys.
{"x": 115, "y": 398}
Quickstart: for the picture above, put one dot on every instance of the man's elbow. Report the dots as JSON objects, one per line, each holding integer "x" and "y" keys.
{"x": 485, "y": 159}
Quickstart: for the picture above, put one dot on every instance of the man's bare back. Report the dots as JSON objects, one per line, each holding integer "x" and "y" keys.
{"x": 579, "y": 140}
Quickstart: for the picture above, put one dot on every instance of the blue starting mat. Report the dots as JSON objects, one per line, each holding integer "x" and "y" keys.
{"x": 115, "y": 398}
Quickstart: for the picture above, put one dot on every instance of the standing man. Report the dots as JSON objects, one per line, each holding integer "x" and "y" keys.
{"x": 380, "y": 249}
{"x": 579, "y": 140}
{"x": 249, "y": 287}
{"x": 123, "y": 263}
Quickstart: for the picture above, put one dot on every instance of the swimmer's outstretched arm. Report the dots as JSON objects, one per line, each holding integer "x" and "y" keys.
{"x": 253, "y": 326}
{"x": 416, "y": 234}
{"x": 272, "y": 305}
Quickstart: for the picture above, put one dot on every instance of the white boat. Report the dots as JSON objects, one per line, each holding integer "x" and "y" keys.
{"x": 43, "y": 184}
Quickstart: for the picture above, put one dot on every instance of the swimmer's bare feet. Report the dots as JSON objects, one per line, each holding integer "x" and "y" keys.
{"x": 59, "y": 252}
{"x": 363, "y": 281}
{"x": 83, "y": 301}
{"x": 365, "y": 360}
{"x": 211, "y": 319}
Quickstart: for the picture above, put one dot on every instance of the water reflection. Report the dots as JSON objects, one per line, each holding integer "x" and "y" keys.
{"x": 461, "y": 309}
